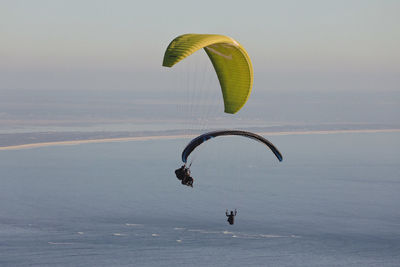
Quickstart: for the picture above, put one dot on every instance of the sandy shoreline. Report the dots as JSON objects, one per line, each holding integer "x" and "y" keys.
{"x": 169, "y": 137}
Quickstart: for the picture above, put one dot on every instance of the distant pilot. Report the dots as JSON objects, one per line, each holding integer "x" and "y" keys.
{"x": 231, "y": 216}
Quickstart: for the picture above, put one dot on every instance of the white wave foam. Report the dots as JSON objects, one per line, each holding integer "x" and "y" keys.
{"x": 59, "y": 243}
{"x": 80, "y": 233}
{"x": 118, "y": 234}
{"x": 209, "y": 232}
{"x": 133, "y": 224}
{"x": 155, "y": 235}
{"x": 272, "y": 236}
{"x": 199, "y": 231}
{"x": 179, "y": 240}
{"x": 179, "y": 228}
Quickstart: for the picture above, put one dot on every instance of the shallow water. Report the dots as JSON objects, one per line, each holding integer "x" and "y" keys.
{"x": 333, "y": 201}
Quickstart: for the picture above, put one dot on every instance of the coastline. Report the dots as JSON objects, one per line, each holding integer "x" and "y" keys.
{"x": 181, "y": 136}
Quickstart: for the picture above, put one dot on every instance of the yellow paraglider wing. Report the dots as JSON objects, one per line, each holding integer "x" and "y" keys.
{"x": 230, "y": 60}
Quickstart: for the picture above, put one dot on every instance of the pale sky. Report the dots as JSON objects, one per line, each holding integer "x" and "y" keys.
{"x": 294, "y": 45}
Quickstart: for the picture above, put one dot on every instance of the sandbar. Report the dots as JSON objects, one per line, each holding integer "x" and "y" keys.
{"x": 182, "y": 136}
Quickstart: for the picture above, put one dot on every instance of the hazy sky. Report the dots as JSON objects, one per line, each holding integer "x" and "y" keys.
{"x": 294, "y": 45}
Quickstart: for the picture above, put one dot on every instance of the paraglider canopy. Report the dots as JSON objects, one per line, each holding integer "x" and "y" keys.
{"x": 207, "y": 136}
{"x": 230, "y": 60}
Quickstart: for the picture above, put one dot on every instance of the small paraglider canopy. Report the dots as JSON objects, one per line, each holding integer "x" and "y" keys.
{"x": 207, "y": 136}
{"x": 230, "y": 60}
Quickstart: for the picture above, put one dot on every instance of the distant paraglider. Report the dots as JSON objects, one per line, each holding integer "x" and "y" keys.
{"x": 231, "y": 216}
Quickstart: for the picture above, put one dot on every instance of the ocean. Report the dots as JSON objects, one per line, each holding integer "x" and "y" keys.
{"x": 333, "y": 201}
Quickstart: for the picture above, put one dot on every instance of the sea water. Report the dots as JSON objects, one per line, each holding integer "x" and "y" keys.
{"x": 333, "y": 201}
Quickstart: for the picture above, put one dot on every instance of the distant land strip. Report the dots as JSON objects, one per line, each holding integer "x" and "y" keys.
{"x": 181, "y": 136}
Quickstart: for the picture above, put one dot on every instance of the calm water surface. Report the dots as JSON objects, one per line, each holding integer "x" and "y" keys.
{"x": 333, "y": 201}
